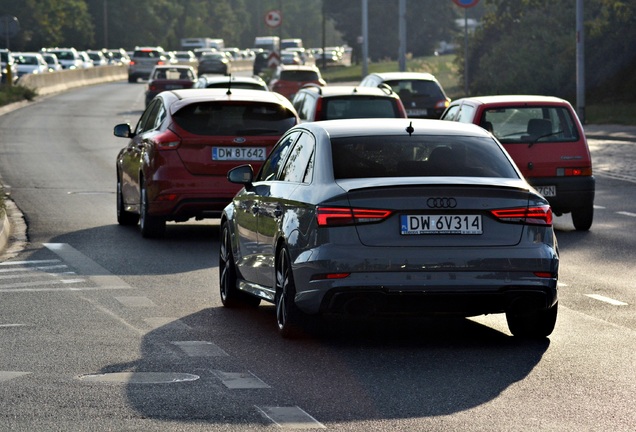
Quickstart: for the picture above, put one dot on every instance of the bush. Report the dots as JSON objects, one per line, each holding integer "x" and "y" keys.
{"x": 15, "y": 93}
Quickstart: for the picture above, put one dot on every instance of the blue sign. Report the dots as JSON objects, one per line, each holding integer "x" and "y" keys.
{"x": 465, "y": 3}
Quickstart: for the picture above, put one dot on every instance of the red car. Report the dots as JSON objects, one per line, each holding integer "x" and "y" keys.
{"x": 175, "y": 164}
{"x": 169, "y": 78}
{"x": 288, "y": 79}
{"x": 544, "y": 137}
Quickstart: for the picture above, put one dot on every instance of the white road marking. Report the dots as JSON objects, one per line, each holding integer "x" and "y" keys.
{"x": 140, "y": 377}
{"x": 7, "y": 375}
{"x": 167, "y": 323}
{"x": 290, "y": 417}
{"x": 240, "y": 380}
{"x": 16, "y": 289}
{"x": 11, "y": 263}
{"x": 607, "y": 300}
{"x": 598, "y": 207}
{"x": 200, "y": 349}
{"x": 135, "y": 301}
{"x": 624, "y": 213}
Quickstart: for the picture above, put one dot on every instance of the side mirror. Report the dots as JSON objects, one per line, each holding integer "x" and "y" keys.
{"x": 242, "y": 174}
{"x": 123, "y": 131}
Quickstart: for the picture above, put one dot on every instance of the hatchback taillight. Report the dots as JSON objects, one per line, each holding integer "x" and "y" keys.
{"x": 540, "y": 215}
{"x": 167, "y": 140}
{"x": 338, "y": 216}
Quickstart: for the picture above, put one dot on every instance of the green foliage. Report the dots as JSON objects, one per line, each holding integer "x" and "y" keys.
{"x": 15, "y": 93}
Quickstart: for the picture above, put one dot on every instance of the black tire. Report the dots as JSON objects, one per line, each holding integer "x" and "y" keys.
{"x": 231, "y": 296}
{"x": 288, "y": 316}
{"x": 582, "y": 217}
{"x": 150, "y": 226}
{"x": 124, "y": 217}
{"x": 132, "y": 79}
{"x": 536, "y": 325}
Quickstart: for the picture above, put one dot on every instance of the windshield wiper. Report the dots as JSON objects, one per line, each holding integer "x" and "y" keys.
{"x": 533, "y": 142}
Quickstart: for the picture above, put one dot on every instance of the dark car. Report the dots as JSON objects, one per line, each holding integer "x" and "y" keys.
{"x": 421, "y": 93}
{"x": 175, "y": 163}
{"x": 314, "y": 103}
{"x": 169, "y": 78}
{"x": 261, "y": 62}
{"x": 390, "y": 217}
{"x": 288, "y": 79}
{"x": 231, "y": 82}
{"x": 214, "y": 63}
{"x": 546, "y": 140}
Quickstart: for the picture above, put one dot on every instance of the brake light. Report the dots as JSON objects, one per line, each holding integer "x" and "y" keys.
{"x": 330, "y": 276}
{"x": 132, "y": 63}
{"x": 319, "y": 115}
{"x": 574, "y": 172}
{"x": 168, "y": 140}
{"x": 338, "y": 216}
{"x": 161, "y": 62}
{"x": 401, "y": 109}
{"x": 540, "y": 215}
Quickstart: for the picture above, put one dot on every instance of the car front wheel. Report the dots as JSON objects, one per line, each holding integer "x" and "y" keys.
{"x": 288, "y": 316}
{"x": 534, "y": 325}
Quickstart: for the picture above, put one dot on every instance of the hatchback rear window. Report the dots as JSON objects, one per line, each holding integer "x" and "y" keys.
{"x": 237, "y": 118}
{"x": 359, "y": 107}
{"x": 405, "y": 156}
{"x": 293, "y": 75}
{"x": 422, "y": 89}
{"x": 531, "y": 124}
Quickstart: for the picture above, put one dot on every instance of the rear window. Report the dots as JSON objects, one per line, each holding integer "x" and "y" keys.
{"x": 147, "y": 54}
{"x": 423, "y": 89}
{"x": 359, "y": 107}
{"x": 293, "y": 75}
{"x": 405, "y": 156}
{"x": 237, "y": 118}
{"x": 531, "y": 124}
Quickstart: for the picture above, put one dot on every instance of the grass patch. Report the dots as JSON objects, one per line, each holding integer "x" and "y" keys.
{"x": 621, "y": 113}
{"x": 15, "y": 93}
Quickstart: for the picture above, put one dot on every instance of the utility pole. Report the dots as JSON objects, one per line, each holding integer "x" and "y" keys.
{"x": 365, "y": 38}
{"x": 402, "y": 34}
{"x": 580, "y": 62}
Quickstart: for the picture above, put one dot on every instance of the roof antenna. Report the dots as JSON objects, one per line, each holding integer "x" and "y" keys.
{"x": 229, "y": 86}
{"x": 410, "y": 129}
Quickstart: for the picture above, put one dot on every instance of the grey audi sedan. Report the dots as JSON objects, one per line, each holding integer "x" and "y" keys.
{"x": 390, "y": 217}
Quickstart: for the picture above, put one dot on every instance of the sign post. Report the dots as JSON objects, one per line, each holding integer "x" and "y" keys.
{"x": 273, "y": 19}
{"x": 465, "y": 4}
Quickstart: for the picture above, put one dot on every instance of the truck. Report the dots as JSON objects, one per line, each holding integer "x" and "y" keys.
{"x": 268, "y": 43}
{"x": 192, "y": 43}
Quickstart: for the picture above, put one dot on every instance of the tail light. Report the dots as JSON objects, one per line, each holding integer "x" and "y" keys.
{"x": 319, "y": 115}
{"x": 442, "y": 104}
{"x": 401, "y": 109}
{"x": 339, "y": 216}
{"x": 540, "y": 215}
{"x": 167, "y": 140}
{"x": 574, "y": 172}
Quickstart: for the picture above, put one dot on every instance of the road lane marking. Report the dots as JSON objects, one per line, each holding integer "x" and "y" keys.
{"x": 8, "y": 375}
{"x": 135, "y": 301}
{"x": 200, "y": 349}
{"x": 140, "y": 377}
{"x": 607, "y": 300}
{"x": 290, "y": 418}
{"x": 11, "y": 263}
{"x": 625, "y": 213}
{"x": 166, "y": 323}
{"x": 16, "y": 289}
{"x": 86, "y": 266}
{"x": 240, "y": 380}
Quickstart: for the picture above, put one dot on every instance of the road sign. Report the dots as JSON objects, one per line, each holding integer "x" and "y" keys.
{"x": 273, "y": 60}
{"x": 466, "y": 3}
{"x": 273, "y": 18}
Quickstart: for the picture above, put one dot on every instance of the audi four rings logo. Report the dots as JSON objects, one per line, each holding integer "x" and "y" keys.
{"x": 441, "y": 202}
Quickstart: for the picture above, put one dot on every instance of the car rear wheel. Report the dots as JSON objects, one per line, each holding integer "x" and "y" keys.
{"x": 534, "y": 325}
{"x": 231, "y": 296}
{"x": 151, "y": 226}
{"x": 124, "y": 217}
{"x": 288, "y": 316}
{"x": 582, "y": 217}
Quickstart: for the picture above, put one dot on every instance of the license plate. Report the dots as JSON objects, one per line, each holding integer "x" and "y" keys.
{"x": 546, "y": 191}
{"x": 174, "y": 86}
{"x": 238, "y": 154}
{"x": 416, "y": 112}
{"x": 440, "y": 224}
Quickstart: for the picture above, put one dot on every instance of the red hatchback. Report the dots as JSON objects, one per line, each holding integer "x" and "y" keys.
{"x": 545, "y": 138}
{"x": 175, "y": 164}
{"x": 171, "y": 77}
{"x": 288, "y": 79}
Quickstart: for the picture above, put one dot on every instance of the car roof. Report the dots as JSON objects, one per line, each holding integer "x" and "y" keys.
{"x": 394, "y": 126}
{"x": 327, "y": 91}
{"x": 390, "y": 76}
{"x": 174, "y": 66}
{"x": 299, "y": 67}
{"x": 215, "y": 78}
{"x": 185, "y": 97}
{"x": 513, "y": 99}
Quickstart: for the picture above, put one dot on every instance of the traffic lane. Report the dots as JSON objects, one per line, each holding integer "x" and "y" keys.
{"x": 597, "y": 273}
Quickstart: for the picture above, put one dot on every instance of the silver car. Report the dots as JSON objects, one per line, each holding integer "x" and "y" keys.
{"x": 390, "y": 217}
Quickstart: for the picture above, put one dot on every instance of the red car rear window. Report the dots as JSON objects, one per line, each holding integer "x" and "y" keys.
{"x": 301, "y": 75}
{"x": 238, "y": 118}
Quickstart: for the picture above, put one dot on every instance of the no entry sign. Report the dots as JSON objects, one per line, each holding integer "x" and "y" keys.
{"x": 466, "y": 3}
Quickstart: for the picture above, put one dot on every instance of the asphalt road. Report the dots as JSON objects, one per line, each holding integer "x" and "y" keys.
{"x": 103, "y": 330}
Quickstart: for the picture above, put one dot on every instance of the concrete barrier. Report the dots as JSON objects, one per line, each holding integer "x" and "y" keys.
{"x": 54, "y": 82}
